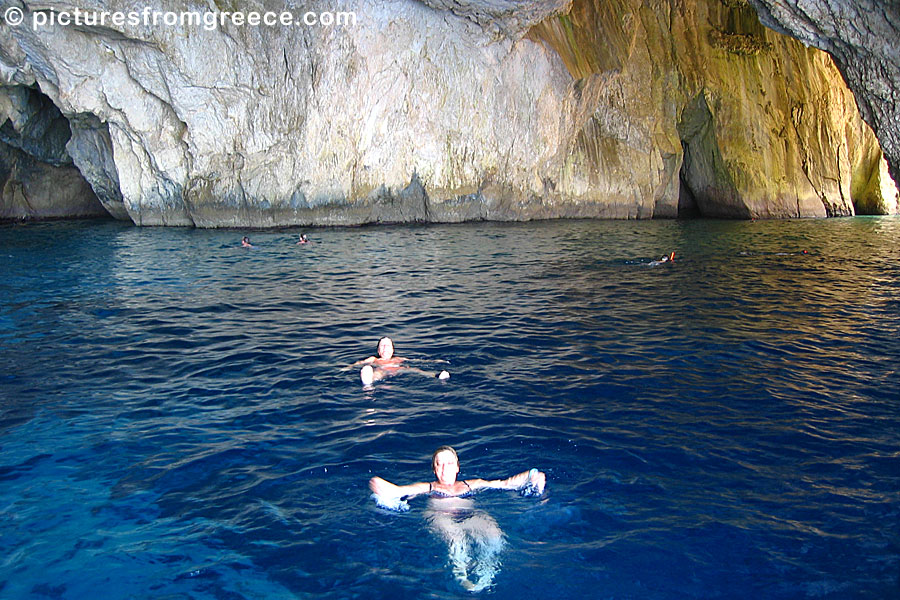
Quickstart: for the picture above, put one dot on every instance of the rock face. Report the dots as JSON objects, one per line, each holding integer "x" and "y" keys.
{"x": 862, "y": 37}
{"x": 446, "y": 110}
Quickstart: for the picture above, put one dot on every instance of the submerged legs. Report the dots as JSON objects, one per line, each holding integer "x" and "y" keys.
{"x": 474, "y": 543}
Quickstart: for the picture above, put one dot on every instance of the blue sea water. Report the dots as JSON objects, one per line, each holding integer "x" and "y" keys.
{"x": 178, "y": 422}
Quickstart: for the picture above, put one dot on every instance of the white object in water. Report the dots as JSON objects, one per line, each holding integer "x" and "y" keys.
{"x": 391, "y": 502}
{"x": 367, "y": 375}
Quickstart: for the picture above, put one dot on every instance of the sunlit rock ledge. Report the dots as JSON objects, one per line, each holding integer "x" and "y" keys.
{"x": 436, "y": 111}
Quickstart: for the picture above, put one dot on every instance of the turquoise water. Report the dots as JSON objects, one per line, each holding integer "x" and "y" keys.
{"x": 177, "y": 423}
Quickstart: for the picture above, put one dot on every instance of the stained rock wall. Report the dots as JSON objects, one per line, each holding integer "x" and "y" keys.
{"x": 756, "y": 124}
{"x": 862, "y": 37}
{"x": 448, "y": 111}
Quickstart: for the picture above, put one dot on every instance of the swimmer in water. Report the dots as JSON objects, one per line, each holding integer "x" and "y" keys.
{"x": 303, "y": 239}
{"x": 384, "y": 355}
{"x": 385, "y": 364}
{"x": 245, "y": 242}
{"x": 663, "y": 259}
{"x": 473, "y": 538}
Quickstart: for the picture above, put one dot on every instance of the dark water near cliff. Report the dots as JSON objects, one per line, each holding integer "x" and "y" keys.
{"x": 176, "y": 424}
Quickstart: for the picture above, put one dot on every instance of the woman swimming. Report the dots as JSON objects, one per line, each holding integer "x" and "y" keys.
{"x": 384, "y": 355}
{"x": 445, "y": 463}
{"x": 473, "y": 538}
{"x": 385, "y": 364}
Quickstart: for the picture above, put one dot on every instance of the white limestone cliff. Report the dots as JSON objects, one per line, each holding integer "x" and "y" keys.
{"x": 446, "y": 111}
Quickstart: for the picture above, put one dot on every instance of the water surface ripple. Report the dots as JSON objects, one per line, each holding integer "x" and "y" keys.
{"x": 177, "y": 421}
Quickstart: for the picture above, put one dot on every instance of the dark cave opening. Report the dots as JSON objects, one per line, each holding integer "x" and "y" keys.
{"x": 38, "y": 176}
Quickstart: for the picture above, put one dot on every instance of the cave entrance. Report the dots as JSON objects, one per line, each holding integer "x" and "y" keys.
{"x": 38, "y": 176}
{"x": 706, "y": 188}
{"x": 687, "y": 204}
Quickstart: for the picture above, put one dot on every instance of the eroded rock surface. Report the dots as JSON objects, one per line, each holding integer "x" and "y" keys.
{"x": 862, "y": 37}
{"x": 445, "y": 110}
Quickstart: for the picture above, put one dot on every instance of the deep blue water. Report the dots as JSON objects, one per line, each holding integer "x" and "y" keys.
{"x": 176, "y": 422}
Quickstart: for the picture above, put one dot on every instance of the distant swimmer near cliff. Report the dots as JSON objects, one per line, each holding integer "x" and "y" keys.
{"x": 663, "y": 259}
{"x": 385, "y": 364}
{"x": 245, "y": 242}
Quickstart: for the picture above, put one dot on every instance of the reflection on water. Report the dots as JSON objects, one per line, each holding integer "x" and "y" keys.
{"x": 177, "y": 420}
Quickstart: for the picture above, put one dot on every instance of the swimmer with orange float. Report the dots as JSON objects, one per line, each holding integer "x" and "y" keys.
{"x": 386, "y": 364}
{"x": 663, "y": 259}
{"x": 473, "y": 538}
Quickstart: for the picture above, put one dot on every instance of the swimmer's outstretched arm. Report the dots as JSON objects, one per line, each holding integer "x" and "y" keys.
{"x": 439, "y": 375}
{"x": 356, "y": 365}
{"x": 365, "y": 361}
{"x": 427, "y": 360}
{"x": 536, "y": 478}
{"x": 386, "y": 489}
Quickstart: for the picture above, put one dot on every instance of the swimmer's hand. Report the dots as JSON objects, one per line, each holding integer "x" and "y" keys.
{"x": 397, "y": 504}
{"x": 382, "y": 487}
{"x": 534, "y": 486}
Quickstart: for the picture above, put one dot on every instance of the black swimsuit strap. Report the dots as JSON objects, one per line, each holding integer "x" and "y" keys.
{"x": 431, "y": 490}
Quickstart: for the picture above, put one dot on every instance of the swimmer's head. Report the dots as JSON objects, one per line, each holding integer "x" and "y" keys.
{"x": 445, "y": 463}
{"x": 385, "y": 348}
{"x": 449, "y": 449}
